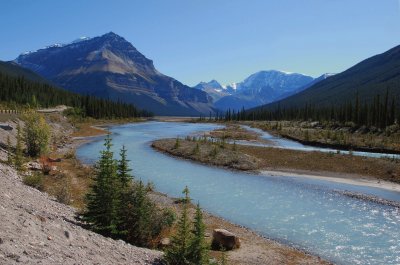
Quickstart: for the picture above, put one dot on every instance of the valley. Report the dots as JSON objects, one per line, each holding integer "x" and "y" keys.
{"x": 170, "y": 133}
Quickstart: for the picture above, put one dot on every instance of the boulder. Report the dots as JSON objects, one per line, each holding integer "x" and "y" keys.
{"x": 224, "y": 239}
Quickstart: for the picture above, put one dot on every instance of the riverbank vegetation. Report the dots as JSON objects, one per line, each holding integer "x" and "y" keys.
{"x": 220, "y": 153}
{"x": 330, "y": 134}
{"x": 208, "y": 151}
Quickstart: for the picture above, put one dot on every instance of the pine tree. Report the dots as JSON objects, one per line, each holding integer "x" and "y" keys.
{"x": 102, "y": 201}
{"x": 198, "y": 249}
{"x": 178, "y": 252}
{"x": 123, "y": 169}
{"x": 125, "y": 180}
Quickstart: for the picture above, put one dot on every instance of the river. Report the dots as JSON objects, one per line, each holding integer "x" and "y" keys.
{"x": 306, "y": 213}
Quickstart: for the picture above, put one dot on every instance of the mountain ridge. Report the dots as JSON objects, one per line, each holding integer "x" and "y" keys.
{"x": 110, "y": 67}
{"x": 365, "y": 80}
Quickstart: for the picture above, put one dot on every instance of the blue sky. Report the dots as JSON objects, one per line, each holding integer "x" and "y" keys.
{"x": 227, "y": 40}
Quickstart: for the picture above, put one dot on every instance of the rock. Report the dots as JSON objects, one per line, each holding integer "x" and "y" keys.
{"x": 33, "y": 166}
{"x": 49, "y": 238}
{"x": 54, "y": 159}
{"x": 165, "y": 242}
{"x": 224, "y": 239}
{"x": 67, "y": 234}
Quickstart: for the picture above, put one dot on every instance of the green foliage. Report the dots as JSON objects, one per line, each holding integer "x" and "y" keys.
{"x": 188, "y": 246}
{"x": 37, "y": 134}
{"x": 198, "y": 248}
{"x": 102, "y": 201}
{"x": 34, "y": 180}
{"x": 26, "y": 92}
{"x": 196, "y": 149}
{"x": 18, "y": 159}
{"x": 214, "y": 151}
{"x": 177, "y": 143}
{"x": 178, "y": 253}
{"x": 120, "y": 207}
{"x": 9, "y": 154}
{"x": 375, "y": 111}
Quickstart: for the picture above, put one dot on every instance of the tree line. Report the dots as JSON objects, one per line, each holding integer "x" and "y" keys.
{"x": 380, "y": 112}
{"x": 21, "y": 91}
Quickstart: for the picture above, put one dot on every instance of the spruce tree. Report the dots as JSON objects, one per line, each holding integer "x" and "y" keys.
{"x": 198, "y": 249}
{"x": 123, "y": 169}
{"x": 102, "y": 201}
{"x": 140, "y": 223}
{"x": 178, "y": 252}
{"x": 125, "y": 180}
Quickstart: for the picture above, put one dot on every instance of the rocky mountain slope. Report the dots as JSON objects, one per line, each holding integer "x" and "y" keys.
{"x": 110, "y": 67}
{"x": 258, "y": 89}
{"x": 215, "y": 89}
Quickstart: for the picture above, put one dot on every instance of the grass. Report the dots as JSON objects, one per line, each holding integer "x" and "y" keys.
{"x": 234, "y": 132}
{"x": 283, "y": 159}
{"x": 70, "y": 182}
{"x": 214, "y": 153}
{"x": 348, "y": 135}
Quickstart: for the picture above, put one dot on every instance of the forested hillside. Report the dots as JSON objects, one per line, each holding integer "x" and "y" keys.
{"x": 366, "y": 94}
{"x": 22, "y": 91}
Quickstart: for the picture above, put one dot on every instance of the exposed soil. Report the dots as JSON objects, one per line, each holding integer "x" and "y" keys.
{"x": 35, "y": 229}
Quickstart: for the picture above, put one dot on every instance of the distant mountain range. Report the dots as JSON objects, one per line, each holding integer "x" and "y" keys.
{"x": 367, "y": 79}
{"x": 110, "y": 67}
{"x": 260, "y": 88}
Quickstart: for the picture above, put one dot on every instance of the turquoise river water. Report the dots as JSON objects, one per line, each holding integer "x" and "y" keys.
{"x": 306, "y": 213}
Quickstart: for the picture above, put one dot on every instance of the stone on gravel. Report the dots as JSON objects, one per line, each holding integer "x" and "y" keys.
{"x": 224, "y": 239}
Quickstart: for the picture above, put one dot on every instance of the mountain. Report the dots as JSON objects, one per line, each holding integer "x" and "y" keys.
{"x": 263, "y": 87}
{"x": 215, "y": 89}
{"x": 110, "y": 67}
{"x": 366, "y": 79}
{"x": 13, "y": 69}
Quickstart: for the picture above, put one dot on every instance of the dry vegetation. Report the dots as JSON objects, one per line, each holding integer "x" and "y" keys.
{"x": 208, "y": 152}
{"x": 258, "y": 158}
{"x": 331, "y": 134}
{"x": 234, "y": 132}
{"x": 282, "y": 159}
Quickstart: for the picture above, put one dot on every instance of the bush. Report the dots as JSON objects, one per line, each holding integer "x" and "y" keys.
{"x": 35, "y": 180}
{"x": 63, "y": 195}
{"x": 70, "y": 155}
{"x": 37, "y": 134}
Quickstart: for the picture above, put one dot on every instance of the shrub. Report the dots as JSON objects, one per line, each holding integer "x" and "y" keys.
{"x": 63, "y": 194}
{"x": 37, "y": 134}
{"x": 35, "y": 180}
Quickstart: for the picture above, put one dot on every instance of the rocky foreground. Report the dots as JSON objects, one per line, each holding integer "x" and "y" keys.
{"x": 35, "y": 229}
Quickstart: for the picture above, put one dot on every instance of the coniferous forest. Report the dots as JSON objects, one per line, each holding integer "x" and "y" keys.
{"x": 381, "y": 112}
{"x": 21, "y": 91}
